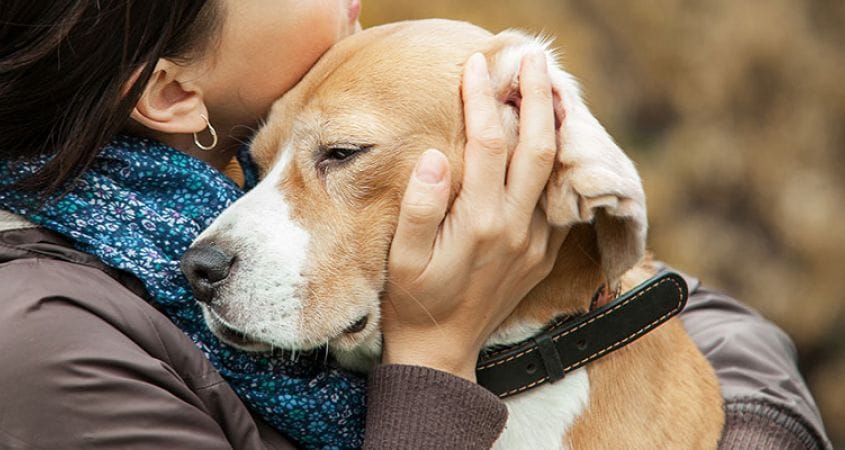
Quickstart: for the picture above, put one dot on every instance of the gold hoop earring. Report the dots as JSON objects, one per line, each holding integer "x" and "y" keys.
{"x": 213, "y": 134}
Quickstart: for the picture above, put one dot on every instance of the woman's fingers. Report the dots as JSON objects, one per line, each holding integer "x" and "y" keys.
{"x": 534, "y": 157}
{"x": 486, "y": 154}
{"x": 423, "y": 208}
{"x": 452, "y": 285}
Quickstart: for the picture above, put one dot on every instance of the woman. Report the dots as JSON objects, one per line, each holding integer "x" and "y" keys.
{"x": 107, "y": 111}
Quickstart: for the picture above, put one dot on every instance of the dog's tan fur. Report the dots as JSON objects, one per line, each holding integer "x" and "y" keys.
{"x": 397, "y": 88}
{"x": 671, "y": 396}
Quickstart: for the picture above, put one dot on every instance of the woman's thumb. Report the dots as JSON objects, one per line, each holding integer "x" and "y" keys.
{"x": 423, "y": 208}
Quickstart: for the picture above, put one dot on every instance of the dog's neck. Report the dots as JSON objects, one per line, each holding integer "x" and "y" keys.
{"x": 568, "y": 290}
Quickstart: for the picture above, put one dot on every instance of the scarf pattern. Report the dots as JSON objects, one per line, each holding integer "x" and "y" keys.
{"x": 137, "y": 209}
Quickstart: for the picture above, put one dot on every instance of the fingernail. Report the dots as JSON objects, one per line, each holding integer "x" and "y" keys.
{"x": 431, "y": 168}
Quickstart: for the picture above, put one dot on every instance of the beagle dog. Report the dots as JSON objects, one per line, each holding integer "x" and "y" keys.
{"x": 299, "y": 262}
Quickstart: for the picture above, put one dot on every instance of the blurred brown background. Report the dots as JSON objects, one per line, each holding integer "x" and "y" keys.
{"x": 734, "y": 112}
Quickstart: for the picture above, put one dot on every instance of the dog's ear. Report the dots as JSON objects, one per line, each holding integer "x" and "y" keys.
{"x": 593, "y": 182}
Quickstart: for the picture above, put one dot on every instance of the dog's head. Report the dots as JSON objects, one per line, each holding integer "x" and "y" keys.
{"x": 299, "y": 261}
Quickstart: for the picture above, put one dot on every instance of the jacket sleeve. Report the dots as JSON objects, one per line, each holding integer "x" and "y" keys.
{"x": 767, "y": 403}
{"x": 414, "y": 407}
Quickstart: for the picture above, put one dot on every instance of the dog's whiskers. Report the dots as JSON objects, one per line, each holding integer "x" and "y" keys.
{"x": 250, "y": 132}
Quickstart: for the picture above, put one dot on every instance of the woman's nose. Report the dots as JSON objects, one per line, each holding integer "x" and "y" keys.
{"x": 205, "y": 266}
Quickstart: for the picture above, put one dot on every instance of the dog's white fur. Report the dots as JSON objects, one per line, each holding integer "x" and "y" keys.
{"x": 541, "y": 418}
{"x": 306, "y": 270}
{"x": 267, "y": 289}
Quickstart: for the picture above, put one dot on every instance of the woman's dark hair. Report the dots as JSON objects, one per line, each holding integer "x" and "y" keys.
{"x": 65, "y": 66}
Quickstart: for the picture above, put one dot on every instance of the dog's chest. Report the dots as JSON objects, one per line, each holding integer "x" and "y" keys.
{"x": 542, "y": 417}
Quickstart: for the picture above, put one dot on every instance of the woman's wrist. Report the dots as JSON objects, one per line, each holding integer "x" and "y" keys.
{"x": 416, "y": 350}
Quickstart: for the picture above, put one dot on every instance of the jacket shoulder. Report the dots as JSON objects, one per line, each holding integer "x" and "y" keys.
{"x": 96, "y": 366}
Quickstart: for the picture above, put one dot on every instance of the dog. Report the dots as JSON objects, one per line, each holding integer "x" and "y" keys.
{"x": 299, "y": 262}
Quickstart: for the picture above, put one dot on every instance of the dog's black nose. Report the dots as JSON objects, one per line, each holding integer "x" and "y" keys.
{"x": 205, "y": 265}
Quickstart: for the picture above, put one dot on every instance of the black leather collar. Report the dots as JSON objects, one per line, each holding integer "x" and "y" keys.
{"x": 570, "y": 344}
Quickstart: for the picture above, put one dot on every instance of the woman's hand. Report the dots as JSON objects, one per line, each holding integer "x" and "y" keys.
{"x": 453, "y": 281}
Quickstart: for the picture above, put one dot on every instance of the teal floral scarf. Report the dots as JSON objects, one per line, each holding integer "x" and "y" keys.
{"x": 137, "y": 209}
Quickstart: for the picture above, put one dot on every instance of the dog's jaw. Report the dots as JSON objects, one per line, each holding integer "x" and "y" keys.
{"x": 361, "y": 357}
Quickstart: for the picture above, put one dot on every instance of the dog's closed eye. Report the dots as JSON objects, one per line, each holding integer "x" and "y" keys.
{"x": 333, "y": 155}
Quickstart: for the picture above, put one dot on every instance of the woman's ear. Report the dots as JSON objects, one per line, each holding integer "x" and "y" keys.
{"x": 168, "y": 105}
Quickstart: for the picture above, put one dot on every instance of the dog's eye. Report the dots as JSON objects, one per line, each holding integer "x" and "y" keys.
{"x": 340, "y": 153}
